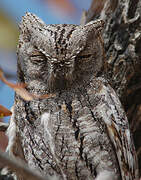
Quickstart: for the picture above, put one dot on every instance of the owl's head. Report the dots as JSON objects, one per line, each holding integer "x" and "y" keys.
{"x": 58, "y": 55}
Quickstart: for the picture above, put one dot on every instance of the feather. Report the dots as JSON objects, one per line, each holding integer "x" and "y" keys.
{"x": 118, "y": 130}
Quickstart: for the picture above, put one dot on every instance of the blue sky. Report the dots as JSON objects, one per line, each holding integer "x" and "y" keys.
{"x": 16, "y": 9}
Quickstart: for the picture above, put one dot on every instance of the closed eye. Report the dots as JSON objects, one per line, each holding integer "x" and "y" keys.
{"x": 85, "y": 56}
{"x": 37, "y": 57}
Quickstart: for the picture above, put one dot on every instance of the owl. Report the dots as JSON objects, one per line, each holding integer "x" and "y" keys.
{"x": 81, "y": 133}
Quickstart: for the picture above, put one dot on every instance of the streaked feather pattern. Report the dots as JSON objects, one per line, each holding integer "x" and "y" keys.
{"x": 111, "y": 112}
{"x": 81, "y": 133}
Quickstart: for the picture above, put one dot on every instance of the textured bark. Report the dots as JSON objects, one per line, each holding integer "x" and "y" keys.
{"x": 122, "y": 39}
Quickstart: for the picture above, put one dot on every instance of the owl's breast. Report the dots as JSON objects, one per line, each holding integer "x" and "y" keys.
{"x": 77, "y": 137}
{"x": 69, "y": 136}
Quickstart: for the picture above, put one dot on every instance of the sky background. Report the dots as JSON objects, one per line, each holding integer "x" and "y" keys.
{"x": 50, "y": 13}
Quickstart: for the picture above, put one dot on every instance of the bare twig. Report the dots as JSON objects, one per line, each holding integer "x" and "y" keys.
{"x": 19, "y": 88}
{"x": 4, "y": 111}
{"x": 3, "y": 126}
{"x": 19, "y": 167}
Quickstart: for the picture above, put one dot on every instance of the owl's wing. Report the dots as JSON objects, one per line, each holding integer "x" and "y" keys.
{"x": 111, "y": 112}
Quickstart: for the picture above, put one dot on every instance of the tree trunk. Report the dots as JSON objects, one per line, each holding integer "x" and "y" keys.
{"x": 122, "y": 39}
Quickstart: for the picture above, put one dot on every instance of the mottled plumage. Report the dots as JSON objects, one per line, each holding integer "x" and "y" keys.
{"x": 81, "y": 133}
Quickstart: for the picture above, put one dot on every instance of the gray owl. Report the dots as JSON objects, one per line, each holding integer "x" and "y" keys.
{"x": 81, "y": 133}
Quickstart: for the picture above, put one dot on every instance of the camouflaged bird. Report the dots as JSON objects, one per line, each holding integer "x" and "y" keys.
{"x": 83, "y": 132}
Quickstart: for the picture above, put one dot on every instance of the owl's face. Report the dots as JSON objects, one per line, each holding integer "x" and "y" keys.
{"x": 58, "y": 55}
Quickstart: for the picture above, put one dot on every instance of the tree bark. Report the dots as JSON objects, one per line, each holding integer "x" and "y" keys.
{"x": 122, "y": 39}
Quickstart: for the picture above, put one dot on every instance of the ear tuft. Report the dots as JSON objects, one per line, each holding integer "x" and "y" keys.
{"x": 30, "y": 22}
{"x": 97, "y": 25}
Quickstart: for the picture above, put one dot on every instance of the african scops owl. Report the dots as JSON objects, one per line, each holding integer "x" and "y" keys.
{"x": 81, "y": 133}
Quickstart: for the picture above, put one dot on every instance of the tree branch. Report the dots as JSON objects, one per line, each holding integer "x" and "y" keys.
{"x": 19, "y": 167}
{"x": 3, "y": 126}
